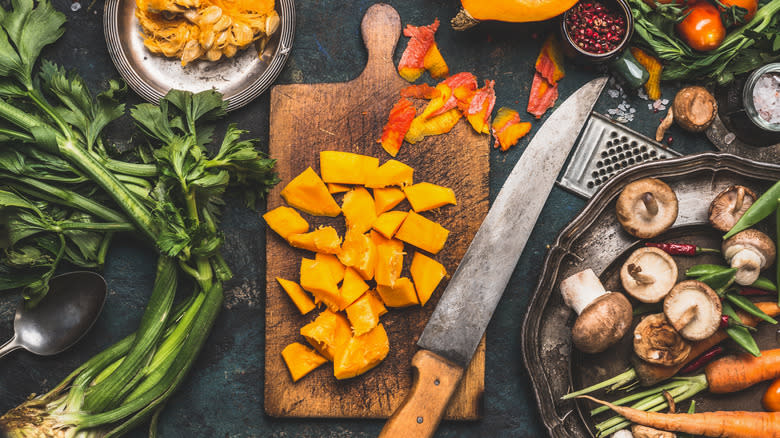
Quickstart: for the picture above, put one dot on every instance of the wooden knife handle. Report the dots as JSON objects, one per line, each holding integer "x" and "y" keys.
{"x": 435, "y": 381}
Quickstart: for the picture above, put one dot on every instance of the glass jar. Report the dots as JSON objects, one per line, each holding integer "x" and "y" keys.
{"x": 749, "y": 99}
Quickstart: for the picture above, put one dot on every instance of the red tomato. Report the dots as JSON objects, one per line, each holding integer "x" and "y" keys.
{"x": 750, "y": 5}
{"x": 702, "y": 29}
{"x": 771, "y": 398}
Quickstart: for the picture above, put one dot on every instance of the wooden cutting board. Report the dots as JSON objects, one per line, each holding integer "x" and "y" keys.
{"x": 309, "y": 118}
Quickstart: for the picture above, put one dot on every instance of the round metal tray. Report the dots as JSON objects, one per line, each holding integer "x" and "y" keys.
{"x": 594, "y": 239}
{"x": 240, "y": 79}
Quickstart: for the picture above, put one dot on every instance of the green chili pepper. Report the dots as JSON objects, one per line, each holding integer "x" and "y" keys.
{"x": 748, "y": 306}
{"x": 740, "y": 335}
{"x": 764, "y": 283}
{"x": 765, "y": 205}
{"x": 719, "y": 280}
{"x": 702, "y": 270}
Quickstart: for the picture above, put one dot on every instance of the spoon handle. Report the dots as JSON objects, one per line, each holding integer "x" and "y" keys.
{"x": 9, "y": 346}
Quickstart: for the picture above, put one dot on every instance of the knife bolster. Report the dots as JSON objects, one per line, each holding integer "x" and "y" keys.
{"x": 435, "y": 381}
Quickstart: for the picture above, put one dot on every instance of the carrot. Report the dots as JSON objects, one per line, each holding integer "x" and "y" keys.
{"x": 725, "y": 424}
{"x": 649, "y": 374}
{"x": 735, "y": 373}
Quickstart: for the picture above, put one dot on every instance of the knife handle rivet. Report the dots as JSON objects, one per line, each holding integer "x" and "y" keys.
{"x": 436, "y": 382}
{"x": 419, "y": 420}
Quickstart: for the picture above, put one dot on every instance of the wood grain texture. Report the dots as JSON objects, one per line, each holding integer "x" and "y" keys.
{"x": 308, "y": 118}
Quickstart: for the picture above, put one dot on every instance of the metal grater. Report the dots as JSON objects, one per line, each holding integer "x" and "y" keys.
{"x": 604, "y": 149}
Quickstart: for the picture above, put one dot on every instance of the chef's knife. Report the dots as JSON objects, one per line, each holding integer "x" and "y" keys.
{"x": 454, "y": 330}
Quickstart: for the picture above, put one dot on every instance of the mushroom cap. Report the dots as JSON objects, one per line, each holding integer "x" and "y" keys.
{"x": 723, "y": 213}
{"x": 749, "y": 244}
{"x": 633, "y": 214}
{"x": 602, "y": 323}
{"x": 693, "y": 309}
{"x": 655, "y": 263}
{"x": 656, "y": 341}
{"x": 639, "y": 431}
{"x": 581, "y": 289}
{"x": 694, "y": 108}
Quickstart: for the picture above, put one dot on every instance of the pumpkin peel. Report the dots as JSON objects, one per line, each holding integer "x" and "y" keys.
{"x": 441, "y": 124}
{"x": 507, "y": 128}
{"x": 398, "y": 122}
{"x": 421, "y": 39}
{"x": 481, "y": 107}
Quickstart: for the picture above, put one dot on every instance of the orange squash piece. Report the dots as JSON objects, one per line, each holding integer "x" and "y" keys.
{"x": 480, "y": 108}
{"x": 392, "y": 173}
{"x": 387, "y": 198}
{"x": 389, "y": 262}
{"x": 426, "y": 196}
{"x": 364, "y": 313}
{"x": 435, "y": 64}
{"x": 345, "y": 167}
{"x": 398, "y": 122}
{"x": 359, "y": 252}
{"x": 441, "y": 124}
{"x": 301, "y": 360}
{"x": 308, "y": 193}
{"x": 508, "y": 129}
{"x": 328, "y": 333}
{"x": 334, "y": 188}
{"x": 361, "y": 353}
{"x": 402, "y": 294}
{"x": 388, "y": 223}
{"x": 297, "y": 295}
{"x": 285, "y": 221}
{"x": 324, "y": 239}
{"x": 353, "y": 287}
{"x": 334, "y": 265}
{"x": 412, "y": 63}
{"x": 427, "y": 273}
{"x": 318, "y": 279}
{"x": 359, "y": 210}
{"x": 422, "y": 233}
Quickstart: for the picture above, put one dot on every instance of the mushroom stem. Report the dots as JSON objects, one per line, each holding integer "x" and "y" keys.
{"x": 688, "y": 315}
{"x": 650, "y": 203}
{"x": 637, "y": 274}
{"x": 740, "y": 199}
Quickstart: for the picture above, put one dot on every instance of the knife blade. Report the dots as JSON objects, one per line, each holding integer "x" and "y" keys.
{"x": 460, "y": 318}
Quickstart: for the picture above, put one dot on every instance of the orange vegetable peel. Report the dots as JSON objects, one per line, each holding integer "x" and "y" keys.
{"x": 507, "y": 128}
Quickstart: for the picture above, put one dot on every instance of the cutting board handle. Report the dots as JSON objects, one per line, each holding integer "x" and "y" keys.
{"x": 381, "y": 28}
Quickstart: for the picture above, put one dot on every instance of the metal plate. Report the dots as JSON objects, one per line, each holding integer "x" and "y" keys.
{"x": 240, "y": 79}
{"x": 594, "y": 239}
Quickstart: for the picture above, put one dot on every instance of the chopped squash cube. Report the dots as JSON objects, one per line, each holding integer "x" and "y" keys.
{"x": 286, "y": 221}
{"x": 364, "y": 313}
{"x": 359, "y": 252}
{"x": 307, "y": 192}
{"x": 337, "y": 188}
{"x": 352, "y": 288}
{"x": 426, "y": 274}
{"x": 426, "y": 196}
{"x": 328, "y": 333}
{"x": 318, "y": 279}
{"x": 389, "y": 262}
{"x": 387, "y": 198}
{"x": 361, "y": 353}
{"x": 301, "y": 360}
{"x": 359, "y": 210}
{"x": 388, "y": 223}
{"x": 333, "y": 263}
{"x": 324, "y": 239}
{"x": 346, "y": 167}
{"x": 392, "y": 173}
{"x": 401, "y": 294}
{"x": 297, "y": 295}
{"x": 422, "y": 233}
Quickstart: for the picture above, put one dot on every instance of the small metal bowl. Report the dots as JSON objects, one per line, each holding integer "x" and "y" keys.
{"x": 240, "y": 79}
{"x": 577, "y": 54}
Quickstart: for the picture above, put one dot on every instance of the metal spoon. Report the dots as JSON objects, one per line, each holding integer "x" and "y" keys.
{"x": 61, "y": 318}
